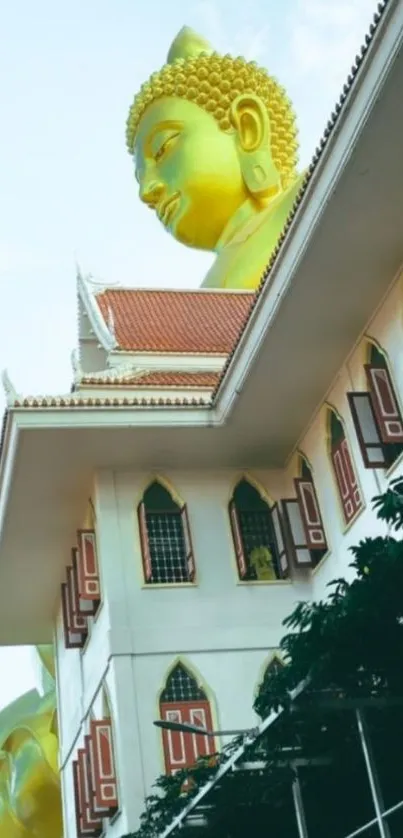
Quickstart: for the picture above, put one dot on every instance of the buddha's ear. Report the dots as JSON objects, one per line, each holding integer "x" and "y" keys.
{"x": 251, "y": 121}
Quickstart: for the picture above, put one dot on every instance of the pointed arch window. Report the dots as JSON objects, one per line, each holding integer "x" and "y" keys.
{"x": 310, "y": 513}
{"x": 377, "y": 415}
{"x": 183, "y": 700}
{"x": 166, "y": 543}
{"x": 257, "y": 533}
{"x": 343, "y": 467}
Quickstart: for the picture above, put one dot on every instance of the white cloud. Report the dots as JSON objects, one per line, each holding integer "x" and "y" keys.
{"x": 325, "y": 36}
{"x": 247, "y": 38}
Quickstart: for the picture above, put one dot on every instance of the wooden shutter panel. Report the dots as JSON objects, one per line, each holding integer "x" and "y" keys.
{"x": 349, "y": 492}
{"x": 145, "y": 547}
{"x": 387, "y": 410}
{"x": 237, "y": 539}
{"x": 188, "y": 544}
{"x": 103, "y": 766}
{"x": 73, "y": 639}
{"x": 181, "y": 750}
{"x": 296, "y": 533}
{"x": 173, "y": 740}
{"x": 283, "y": 564}
{"x": 310, "y": 514}
{"x": 78, "y": 622}
{"x": 90, "y": 780}
{"x": 85, "y": 606}
{"x": 86, "y": 826}
{"x": 366, "y": 428}
{"x": 89, "y": 588}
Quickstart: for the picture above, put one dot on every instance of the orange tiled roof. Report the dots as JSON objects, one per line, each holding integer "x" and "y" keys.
{"x": 175, "y": 321}
{"x": 206, "y": 380}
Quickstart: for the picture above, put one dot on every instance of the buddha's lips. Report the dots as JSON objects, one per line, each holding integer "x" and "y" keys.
{"x": 167, "y": 208}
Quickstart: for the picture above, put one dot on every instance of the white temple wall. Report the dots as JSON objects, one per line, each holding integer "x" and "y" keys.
{"x": 224, "y": 630}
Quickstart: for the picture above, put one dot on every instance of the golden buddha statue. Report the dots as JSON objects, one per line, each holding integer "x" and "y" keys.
{"x": 215, "y": 150}
{"x": 30, "y": 800}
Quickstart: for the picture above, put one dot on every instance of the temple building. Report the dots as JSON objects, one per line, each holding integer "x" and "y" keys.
{"x": 216, "y": 457}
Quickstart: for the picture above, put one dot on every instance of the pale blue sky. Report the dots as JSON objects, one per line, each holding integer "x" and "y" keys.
{"x": 68, "y": 73}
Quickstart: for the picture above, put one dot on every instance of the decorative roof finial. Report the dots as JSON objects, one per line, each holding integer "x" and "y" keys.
{"x": 9, "y": 389}
{"x": 76, "y": 366}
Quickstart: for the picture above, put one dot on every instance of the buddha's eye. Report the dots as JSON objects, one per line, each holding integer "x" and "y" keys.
{"x": 163, "y": 149}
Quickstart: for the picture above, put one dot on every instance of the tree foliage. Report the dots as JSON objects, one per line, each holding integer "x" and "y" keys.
{"x": 349, "y": 644}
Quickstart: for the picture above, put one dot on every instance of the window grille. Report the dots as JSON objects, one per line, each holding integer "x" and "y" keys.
{"x": 165, "y": 538}
{"x": 167, "y": 547}
{"x": 181, "y": 686}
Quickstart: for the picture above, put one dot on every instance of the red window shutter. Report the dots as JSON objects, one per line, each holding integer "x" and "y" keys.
{"x": 310, "y": 514}
{"x": 145, "y": 547}
{"x": 386, "y": 407}
{"x": 366, "y": 427}
{"x": 90, "y": 780}
{"x": 86, "y": 826}
{"x": 78, "y": 622}
{"x": 283, "y": 564}
{"x": 237, "y": 539}
{"x": 181, "y": 750}
{"x": 349, "y": 492}
{"x": 73, "y": 638}
{"x": 103, "y": 767}
{"x": 296, "y": 533}
{"x": 188, "y": 544}
{"x": 85, "y": 606}
{"x": 89, "y": 588}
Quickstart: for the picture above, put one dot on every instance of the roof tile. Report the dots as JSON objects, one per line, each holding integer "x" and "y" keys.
{"x": 175, "y": 321}
{"x": 206, "y": 380}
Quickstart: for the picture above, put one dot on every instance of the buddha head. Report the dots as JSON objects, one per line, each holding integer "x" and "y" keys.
{"x": 209, "y": 134}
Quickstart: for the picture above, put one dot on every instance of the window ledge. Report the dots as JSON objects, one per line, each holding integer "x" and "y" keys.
{"x": 161, "y": 585}
{"x": 255, "y": 582}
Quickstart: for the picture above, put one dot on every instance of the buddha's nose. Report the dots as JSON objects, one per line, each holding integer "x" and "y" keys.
{"x": 151, "y": 192}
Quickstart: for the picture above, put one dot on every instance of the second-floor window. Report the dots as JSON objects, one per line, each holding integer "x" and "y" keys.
{"x": 376, "y": 414}
{"x": 184, "y": 701}
{"x": 166, "y": 543}
{"x": 343, "y": 467}
{"x": 257, "y": 534}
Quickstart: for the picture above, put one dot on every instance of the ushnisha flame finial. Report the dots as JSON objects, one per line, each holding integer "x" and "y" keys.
{"x": 188, "y": 44}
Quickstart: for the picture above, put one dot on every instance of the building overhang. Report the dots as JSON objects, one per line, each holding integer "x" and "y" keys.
{"x": 340, "y": 256}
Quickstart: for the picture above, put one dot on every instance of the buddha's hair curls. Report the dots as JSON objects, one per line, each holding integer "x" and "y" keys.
{"x": 213, "y": 82}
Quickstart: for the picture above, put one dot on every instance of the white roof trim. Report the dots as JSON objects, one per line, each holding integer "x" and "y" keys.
{"x": 121, "y": 373}
{"x": 87, "y": 294}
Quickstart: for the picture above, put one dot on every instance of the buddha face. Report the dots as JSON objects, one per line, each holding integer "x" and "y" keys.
{"x": 188, "y": 171}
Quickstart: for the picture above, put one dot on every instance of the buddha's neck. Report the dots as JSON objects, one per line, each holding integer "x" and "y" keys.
{"x": 241, "y": 217}
{"x": 248, "y": 210}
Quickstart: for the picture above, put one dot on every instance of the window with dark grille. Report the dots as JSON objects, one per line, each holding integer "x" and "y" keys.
{"x": 165, "y": 536}
{"x": 181, "y": 686}
{"x": 256, "y": 531}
